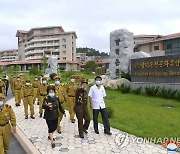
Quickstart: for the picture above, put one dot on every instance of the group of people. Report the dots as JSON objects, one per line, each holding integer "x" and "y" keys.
{"x": 52, "y": 99}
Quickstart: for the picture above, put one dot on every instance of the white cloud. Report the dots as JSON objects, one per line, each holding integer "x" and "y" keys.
{"x": 92, "y": 20}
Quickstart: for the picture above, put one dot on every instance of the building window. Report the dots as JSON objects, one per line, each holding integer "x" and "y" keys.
{"x": 64, "y": 58}
{"x": 64, "y": 40}
{"x": 156, "y": 47}
{"x": 169, "y": 46}
{"x": 64, "y": 52}
{"x": 64, "y": 46}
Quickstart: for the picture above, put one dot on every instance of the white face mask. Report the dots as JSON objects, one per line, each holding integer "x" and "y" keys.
{"x": 36, "y": 79}
{"x": 57, "y": 82}
{"x": 27, "y": 84}
{"x": 1, "y": 103}
{"x": 0, "y": 80}
{"x": 44, "y": 81}
{"x": 72, "y": 80}
{"x": 18, "y": 79}
{"x": 98, "y": 83}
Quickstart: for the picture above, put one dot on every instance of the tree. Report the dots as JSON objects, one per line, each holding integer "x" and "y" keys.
{"x": 91, "y": 66}
{"x": 44, "y": 62}
{"x": 91, "y": 52}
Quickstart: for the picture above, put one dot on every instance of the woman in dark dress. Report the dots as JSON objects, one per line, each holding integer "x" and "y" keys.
{"x": 52, "y": 106}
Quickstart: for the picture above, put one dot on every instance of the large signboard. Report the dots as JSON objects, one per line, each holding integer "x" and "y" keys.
{"x": 162, "y": 69}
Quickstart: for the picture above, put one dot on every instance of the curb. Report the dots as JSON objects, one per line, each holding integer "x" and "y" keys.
{"x": 25, "y": 142}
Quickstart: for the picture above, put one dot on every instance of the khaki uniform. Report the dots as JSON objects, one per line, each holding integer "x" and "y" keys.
{"x": 12, "y": 84}
{"x": 35, "y": 85}
{"x": 81, "y": 110}
{"x": 42, "y": 95}
{"x": 61, "y": 94}
{"x": 6, "y": 115}
{"x": 17, "y": 91}
{"x": 27, "y": 96}
{"x": 2, "y": 87}
{"x": 71, "y": 90}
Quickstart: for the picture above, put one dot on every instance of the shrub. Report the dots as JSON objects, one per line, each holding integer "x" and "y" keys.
{"x": 34, "y": 71}
{"x": 137, "y": 90}
{"x": 52, "y": 76}
{"x": 124, "y": 88}
{"x": 151, "y": 90}
{"x": 110, "y": 112}
{"x": 126, "y": 75}
{"x": 167, "y": 93}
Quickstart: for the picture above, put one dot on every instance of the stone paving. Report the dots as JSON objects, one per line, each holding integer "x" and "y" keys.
{"x": 69, "y": 142}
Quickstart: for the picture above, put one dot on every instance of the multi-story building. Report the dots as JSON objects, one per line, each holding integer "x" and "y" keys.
{"x": 36, "y": 42}
{"x": 81, "y": 57}
{"x": 143, "y": 38}
{"x": 9, "y": 55}
{"x": 160, "y": 46}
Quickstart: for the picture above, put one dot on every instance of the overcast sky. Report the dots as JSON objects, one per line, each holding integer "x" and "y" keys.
{"x": 93, "y": 20}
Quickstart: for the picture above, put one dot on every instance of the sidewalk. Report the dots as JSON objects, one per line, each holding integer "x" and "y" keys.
{"x": 69, "y": 143}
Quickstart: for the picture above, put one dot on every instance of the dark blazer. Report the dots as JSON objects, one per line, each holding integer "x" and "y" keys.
{"x": 52, "y": 113}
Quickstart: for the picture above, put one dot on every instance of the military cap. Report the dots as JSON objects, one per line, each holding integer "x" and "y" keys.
{"x": 2, "y": 96}
{"x": 84, "y": 81}
{"x": 57, "y": 77}
{"x": 72, "y": 77}
{"x": 27, "y": 80}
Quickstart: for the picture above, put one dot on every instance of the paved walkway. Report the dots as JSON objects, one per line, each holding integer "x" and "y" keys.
{"x": 69, "y": 142}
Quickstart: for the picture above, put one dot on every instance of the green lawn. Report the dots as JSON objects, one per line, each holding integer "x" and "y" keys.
{"x": 144, "y": 116}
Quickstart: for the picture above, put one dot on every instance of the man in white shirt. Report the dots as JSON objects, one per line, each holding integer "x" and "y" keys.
{"x": 97, "y": 94}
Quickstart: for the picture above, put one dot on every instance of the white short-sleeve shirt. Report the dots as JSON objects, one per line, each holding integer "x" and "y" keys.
{"x": 97, "y": 97}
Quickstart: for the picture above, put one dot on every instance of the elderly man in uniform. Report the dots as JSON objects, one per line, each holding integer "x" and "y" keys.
{"x": 7, "y": 120}
{"x": 60, "y": 93}
{"x": 81, "y": 109}
{"x": 17, "y": 90}
{"x": 27, "y": 95}
{"x": 71, "y": 90}
{"x": 42, "y": 94}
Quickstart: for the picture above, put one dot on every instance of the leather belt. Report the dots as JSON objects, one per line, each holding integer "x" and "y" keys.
{"x": 27, "y": 95}
{"x": 43, "y": 95}
{"x": 71, "y": 96}
{"x": 18, "y": 89}
{"x": 2, "y": 125}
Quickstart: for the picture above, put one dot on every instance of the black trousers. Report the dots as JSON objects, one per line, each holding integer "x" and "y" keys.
{"x": 104, "y": 119}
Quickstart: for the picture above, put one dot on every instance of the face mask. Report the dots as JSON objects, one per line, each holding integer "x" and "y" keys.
{"x": 18, "y": 79}
{"x": 98, "y": 83}
{"x": 72, "y": 80}
{"x": 0, "y": 80}
{"x": 36, "y": 79}
{"x": 44, "y": 82}
{"x": 51, "y": 95}
{"x": 57, "y": 82}
{"x": 1, "y": 103}
{"x": 27, "y": 84}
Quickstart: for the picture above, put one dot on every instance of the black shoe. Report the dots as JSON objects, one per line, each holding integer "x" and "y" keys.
{"x": 26, "y": 117}
{"x": 37, "y": 103}
{"x": 40, "y": 115}
{"x": 59, "y": 131}
{"x": 16, "y": 105}
{"x": 81, "y": 136}
{"x": 52, "y": 145}
{"x": 85, "y": 131}
{"x": 19, "y": 105}
{"x": 32, "y": 117}
{"x": 96, "y": 131}
{"x": 50, "y": 139}
{"x": 108, "y": 133}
